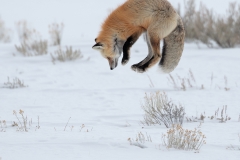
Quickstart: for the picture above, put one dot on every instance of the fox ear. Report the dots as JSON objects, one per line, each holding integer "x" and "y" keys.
{"x": 98, "y": 46}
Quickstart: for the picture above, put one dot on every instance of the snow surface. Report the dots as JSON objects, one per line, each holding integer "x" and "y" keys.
{"x": 107, "y": 102}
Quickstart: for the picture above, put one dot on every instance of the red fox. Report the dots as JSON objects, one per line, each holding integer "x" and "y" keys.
{"x": 156, "y": 18}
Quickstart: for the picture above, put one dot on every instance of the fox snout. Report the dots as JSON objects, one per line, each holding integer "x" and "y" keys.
{"x": 112, "y": 59}
{"x": 112, "y": 63}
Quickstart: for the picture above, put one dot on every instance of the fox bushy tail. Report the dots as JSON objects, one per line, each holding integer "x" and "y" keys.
{"x": 173, "y": 46}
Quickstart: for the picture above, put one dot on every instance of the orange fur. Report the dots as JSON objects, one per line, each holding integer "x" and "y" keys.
{"x": 156, "y": 17}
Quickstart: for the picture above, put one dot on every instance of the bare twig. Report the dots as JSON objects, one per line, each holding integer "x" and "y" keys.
{"x": 82, "y": 127}
{"x": 67, "y": 124}
{"x": 151, "y": 83}
{"x": 56, "y": 31}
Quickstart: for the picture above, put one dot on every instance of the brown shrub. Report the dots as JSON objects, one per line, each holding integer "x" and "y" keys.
{"x": 208, "y": 27}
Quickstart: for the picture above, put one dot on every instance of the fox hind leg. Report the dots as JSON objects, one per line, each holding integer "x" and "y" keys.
{"x": 154, "y": 54}
{"x": 150, "y": 53}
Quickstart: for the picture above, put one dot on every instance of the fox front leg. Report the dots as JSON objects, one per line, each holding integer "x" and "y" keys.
{"x": 128, "y": 44}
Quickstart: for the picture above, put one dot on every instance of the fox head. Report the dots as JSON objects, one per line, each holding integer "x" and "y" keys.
{"x": 110, "y": 50}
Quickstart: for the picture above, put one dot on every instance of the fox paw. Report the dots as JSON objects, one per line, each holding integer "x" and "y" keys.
{"x": 124, "y": 61}
{"x": 138, "y": 69}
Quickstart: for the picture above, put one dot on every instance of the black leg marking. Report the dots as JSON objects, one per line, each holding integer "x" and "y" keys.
{"x": 142, "y": 68}
{"x": 126, "y": 50}
{"x": 128, "y": 44}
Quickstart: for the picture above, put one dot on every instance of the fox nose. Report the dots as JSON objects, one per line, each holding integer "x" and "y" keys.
{"x": 111, "y": 68}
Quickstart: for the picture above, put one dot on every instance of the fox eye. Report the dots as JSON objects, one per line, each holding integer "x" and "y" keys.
{"x": 108, "y": 58}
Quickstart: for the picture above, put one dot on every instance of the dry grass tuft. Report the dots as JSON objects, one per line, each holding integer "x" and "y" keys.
{"x": 222, "y": 117}
{"x": 159, "y": 109}
{"x": 5, "y": 34}
{"x": 231, "y": 147}
{"x": 140, "y": 140}
{"x": 226, "y": 84}
{"x": 184, "y": 139}
{"x": 56, "y": 31}
{"x": 205, "y": 26}
{"x": 36, "y": 48}
{"x": 16, "y": 83}
{"x": 23, "y": 124}
{"x": 3, "y": 126}
{"x": 22, "y": 121}
{"x": 200, "y": 119}
{"x": 68, "y": 55}
{"x": 180, "y": 83}
{"x": 31, "y": 42}
{"x": 189, "y": 82}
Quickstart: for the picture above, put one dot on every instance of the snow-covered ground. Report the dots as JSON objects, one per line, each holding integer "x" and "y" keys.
{"x": 107, "y": 103}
